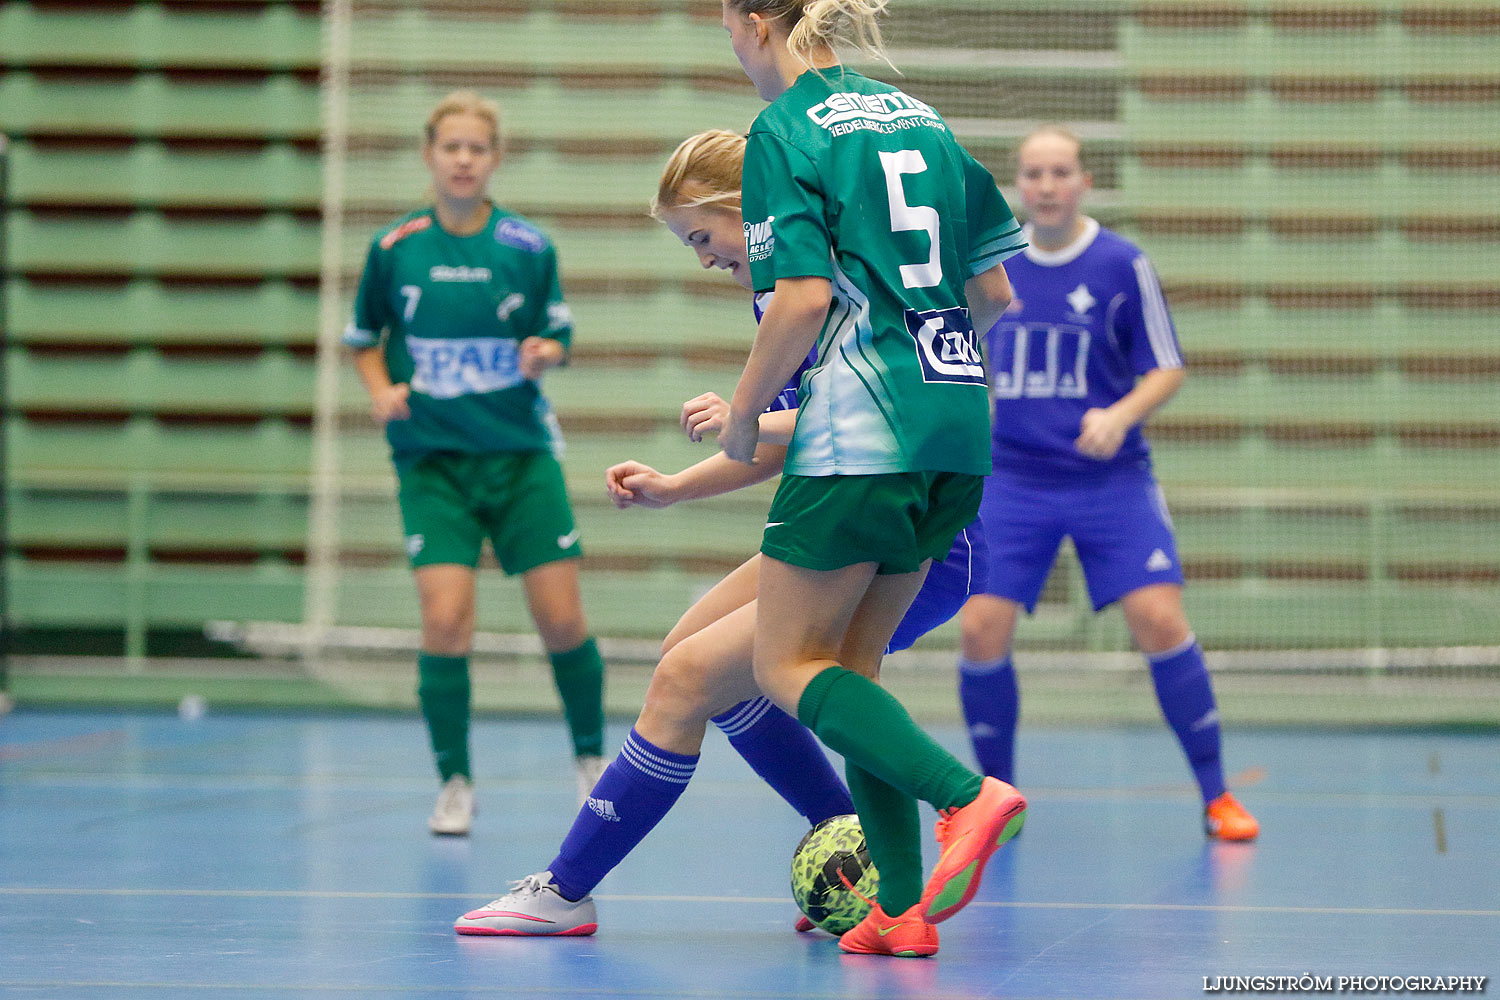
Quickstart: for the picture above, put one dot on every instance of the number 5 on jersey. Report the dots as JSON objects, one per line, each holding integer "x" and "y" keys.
{"x": 912, "y": 218}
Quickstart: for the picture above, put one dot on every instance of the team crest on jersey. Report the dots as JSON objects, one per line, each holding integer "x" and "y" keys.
{"x": 760, "y": 242}
{"x": 404, "y": 230}
{"x": 1081, "y": 301}
{"x": 515, "y": 233}
{"x": 947, "y": 345}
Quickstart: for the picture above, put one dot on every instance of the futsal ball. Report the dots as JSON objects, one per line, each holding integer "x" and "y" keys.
{"x": 833, "y": 878}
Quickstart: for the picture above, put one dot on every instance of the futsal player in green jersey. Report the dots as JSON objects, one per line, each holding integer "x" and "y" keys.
{"x": 458, "y": 315}
{"x": 879, "y": 234}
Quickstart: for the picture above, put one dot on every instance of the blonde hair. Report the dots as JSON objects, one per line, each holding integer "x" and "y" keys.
{"x": 1061, "y": 131}
{"x": 464, "y": 102}
{"x": 715, "y": 160}
{"x": 815, "y": 24}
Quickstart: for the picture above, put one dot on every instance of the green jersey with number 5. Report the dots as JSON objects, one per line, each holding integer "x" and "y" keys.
{"x": 849, "y": 179}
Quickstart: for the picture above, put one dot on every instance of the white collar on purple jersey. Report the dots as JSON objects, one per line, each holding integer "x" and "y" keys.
{"x": 1069, "y": 253}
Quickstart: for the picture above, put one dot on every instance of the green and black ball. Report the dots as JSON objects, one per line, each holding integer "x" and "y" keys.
{"x": 833, "y": 878}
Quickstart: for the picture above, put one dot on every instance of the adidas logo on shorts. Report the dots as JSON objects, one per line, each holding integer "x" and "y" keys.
{"x": 1158, "y": 562}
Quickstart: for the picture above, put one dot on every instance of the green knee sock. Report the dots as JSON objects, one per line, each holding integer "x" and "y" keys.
{"x": 579, "y": 674}
{"x": 443, "y": 689}
{"x": 893, "y": 834}
{"x": 861, "y": 720}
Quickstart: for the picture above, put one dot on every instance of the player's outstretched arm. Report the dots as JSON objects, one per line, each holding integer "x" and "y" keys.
{"x": 635, "y": 484}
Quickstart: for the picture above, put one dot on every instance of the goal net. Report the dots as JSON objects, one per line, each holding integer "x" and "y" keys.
{"x": 1315, "y": 185}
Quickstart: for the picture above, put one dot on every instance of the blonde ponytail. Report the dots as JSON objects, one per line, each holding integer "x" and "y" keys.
{"x": 829, "y": 23}
{"x": 818, "y": 24}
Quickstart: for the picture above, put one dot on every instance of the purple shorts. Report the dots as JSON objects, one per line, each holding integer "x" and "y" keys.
{"x": 948, "y": 585}
{"x": 1118, "y": 522}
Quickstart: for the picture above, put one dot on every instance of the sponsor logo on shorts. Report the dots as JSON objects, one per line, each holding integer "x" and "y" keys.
{"x": 774, "y": 524}
{"x": 604, "y": 809}
{"x": 414, "y": 544}
{"x": 947, "y": 345}
{"x": 567, "y": 541}
{"x": 760, "y": 241}
{"x": 1157, "y": 562}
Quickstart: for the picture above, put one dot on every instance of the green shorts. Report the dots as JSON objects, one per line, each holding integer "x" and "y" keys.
{"x": 450, "y": 501}
{"x": 897, "y": 520}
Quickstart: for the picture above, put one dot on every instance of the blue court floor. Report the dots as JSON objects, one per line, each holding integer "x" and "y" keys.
{"x": 260, "y": 855}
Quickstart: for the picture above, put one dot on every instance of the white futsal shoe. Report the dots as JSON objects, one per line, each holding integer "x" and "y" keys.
{"x": 454, "y": 812}
{"x": 590, "y": 768}
{"x": 532, "y": 908}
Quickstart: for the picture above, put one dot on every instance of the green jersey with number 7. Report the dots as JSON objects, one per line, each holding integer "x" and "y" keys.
{"x": 898, "y": 384}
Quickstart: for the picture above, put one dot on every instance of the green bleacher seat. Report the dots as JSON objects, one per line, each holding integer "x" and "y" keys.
{"x": 144, "y": 381}
{"x": 145, "y": 595}
{"x": 146, "y": 310}
{"x": 112, "y": 447}
{"x": 152, "y": 104}
{"x": 279, "y": 35}
{"x": 150, "y": 242}
{"x": 155, "y": 174}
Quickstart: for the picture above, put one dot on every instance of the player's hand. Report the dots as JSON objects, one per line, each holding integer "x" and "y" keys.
{"x": 1103, "y": 431}
{"x": 390, "y": 403}
{"x": 704, "y": 415}
{"x": 636, "y": 484}
{"x": 537, "y": 354}
{"x": 739, "y": 438}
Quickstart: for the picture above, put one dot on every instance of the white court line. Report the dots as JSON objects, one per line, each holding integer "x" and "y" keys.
{"x": 1421, "y": 799}
{"x": 755, "y": 900}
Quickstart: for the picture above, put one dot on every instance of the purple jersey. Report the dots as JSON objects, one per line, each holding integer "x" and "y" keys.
{"x": 1085, "y": 323}
{"x": 787, "y": 398}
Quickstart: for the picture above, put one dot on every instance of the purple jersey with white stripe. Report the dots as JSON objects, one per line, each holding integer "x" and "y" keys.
{"x": 1085, "y": 323}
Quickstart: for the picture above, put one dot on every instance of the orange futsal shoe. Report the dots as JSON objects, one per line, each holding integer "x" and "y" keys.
{"x": 968, "y": 836}
{"x": 906, "y": 936}
{"x": 1225, "y": 819}
{"x": 803, "y": 925}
